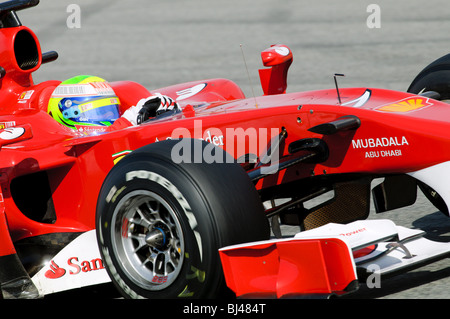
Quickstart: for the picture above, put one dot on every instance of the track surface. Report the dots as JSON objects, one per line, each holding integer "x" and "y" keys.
{"x": 159, "y": 43}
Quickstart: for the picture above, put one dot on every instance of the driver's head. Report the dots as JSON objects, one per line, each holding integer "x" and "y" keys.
{"x": 84, "y": 103}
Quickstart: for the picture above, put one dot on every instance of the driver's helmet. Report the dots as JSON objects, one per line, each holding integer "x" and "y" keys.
{"x": 85, "y": 103}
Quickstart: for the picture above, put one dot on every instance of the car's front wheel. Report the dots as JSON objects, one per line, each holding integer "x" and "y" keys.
{"x": 160, "y": 224}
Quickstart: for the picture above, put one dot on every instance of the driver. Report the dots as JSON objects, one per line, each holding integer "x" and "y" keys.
{"x": 89, "y": 104}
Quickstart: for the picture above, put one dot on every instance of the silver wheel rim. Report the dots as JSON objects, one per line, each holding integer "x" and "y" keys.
{"x": 147, "y": 238}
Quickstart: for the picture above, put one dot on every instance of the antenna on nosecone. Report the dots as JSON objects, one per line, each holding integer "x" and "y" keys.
{"x": 248, "y": 75}
{"x": 337, "y": 88}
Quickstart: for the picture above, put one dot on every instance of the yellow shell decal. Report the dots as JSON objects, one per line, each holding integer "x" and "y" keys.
{"x": 406, "y": 105}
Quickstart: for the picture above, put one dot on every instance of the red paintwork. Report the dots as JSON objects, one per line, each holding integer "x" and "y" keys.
{"x": 280, "y": 268}
{"x": 77, "y": 164}
{"x": 274, "y": 79}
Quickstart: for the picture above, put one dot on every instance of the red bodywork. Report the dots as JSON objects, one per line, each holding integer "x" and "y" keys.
{"x": 397, "y": 130}
{"x": 280, "y": 268}
{"x": 406, "y": 125}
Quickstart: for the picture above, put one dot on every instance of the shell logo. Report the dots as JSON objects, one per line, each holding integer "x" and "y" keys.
{"x": 406, "y": 105}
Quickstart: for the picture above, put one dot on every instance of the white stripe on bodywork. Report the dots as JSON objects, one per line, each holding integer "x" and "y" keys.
{"x": 78, "y": 265}
{"x": 437, "y": 177}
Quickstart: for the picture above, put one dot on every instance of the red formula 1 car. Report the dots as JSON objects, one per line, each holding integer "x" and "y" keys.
{"x": 158, "y": 208}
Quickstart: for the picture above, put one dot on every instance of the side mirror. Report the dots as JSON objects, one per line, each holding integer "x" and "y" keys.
{"x": 278, "y": 58}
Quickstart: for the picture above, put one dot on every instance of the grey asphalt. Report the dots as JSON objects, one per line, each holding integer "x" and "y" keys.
{"x": 159, "y": 43}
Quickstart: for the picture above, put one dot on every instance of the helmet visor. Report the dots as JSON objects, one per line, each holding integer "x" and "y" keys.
{"x": 99, "y": 110}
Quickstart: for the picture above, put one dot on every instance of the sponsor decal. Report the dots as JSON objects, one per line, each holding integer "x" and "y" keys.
{"x": 380, "y": 142}
{"x": 25, "y": 96}
{"x": 102, "y": 88}
{"x": 86, "y": 107}
{"x": 388, "y": 153}
{"x": 207, "y": 137}
{"x": 78, "y": 264}
{"x": 7, "y": 124}
{"x": 406, "y": 105}
{"x": 55, "y": 271}
{"x": 74, "y": 267}
{"x": 83, "y": 89}
{"x": 374, "y": 146}
{"x": 90, "y": 129}
{"x": 214, "y": 139}
{"x": 353, "y": 232}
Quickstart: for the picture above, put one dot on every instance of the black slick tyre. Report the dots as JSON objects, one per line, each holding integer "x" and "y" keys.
{"x": 434, "y": 77}
{"x": 160, "y": 223}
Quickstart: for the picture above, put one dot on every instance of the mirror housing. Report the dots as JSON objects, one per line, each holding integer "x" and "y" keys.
{"x": 274, "y": 80}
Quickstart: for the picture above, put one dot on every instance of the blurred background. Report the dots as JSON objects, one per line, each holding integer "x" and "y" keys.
{"x": 158, "y": 43}
{"x": 375, "y": 43}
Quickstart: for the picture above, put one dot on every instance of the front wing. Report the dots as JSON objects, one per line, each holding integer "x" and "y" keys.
{"x": 327, "y": 261}
{"x": 330, "y": 260}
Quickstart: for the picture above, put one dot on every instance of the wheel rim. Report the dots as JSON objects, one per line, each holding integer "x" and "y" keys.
{"x": 147, "y": 239}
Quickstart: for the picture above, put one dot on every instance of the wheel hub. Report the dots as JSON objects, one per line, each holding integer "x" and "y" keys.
{"x": 156, "y": 238}
{"x": 150, "y": 245}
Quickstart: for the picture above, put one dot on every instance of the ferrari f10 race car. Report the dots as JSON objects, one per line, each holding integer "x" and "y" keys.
{"x": 190, "y": 202}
